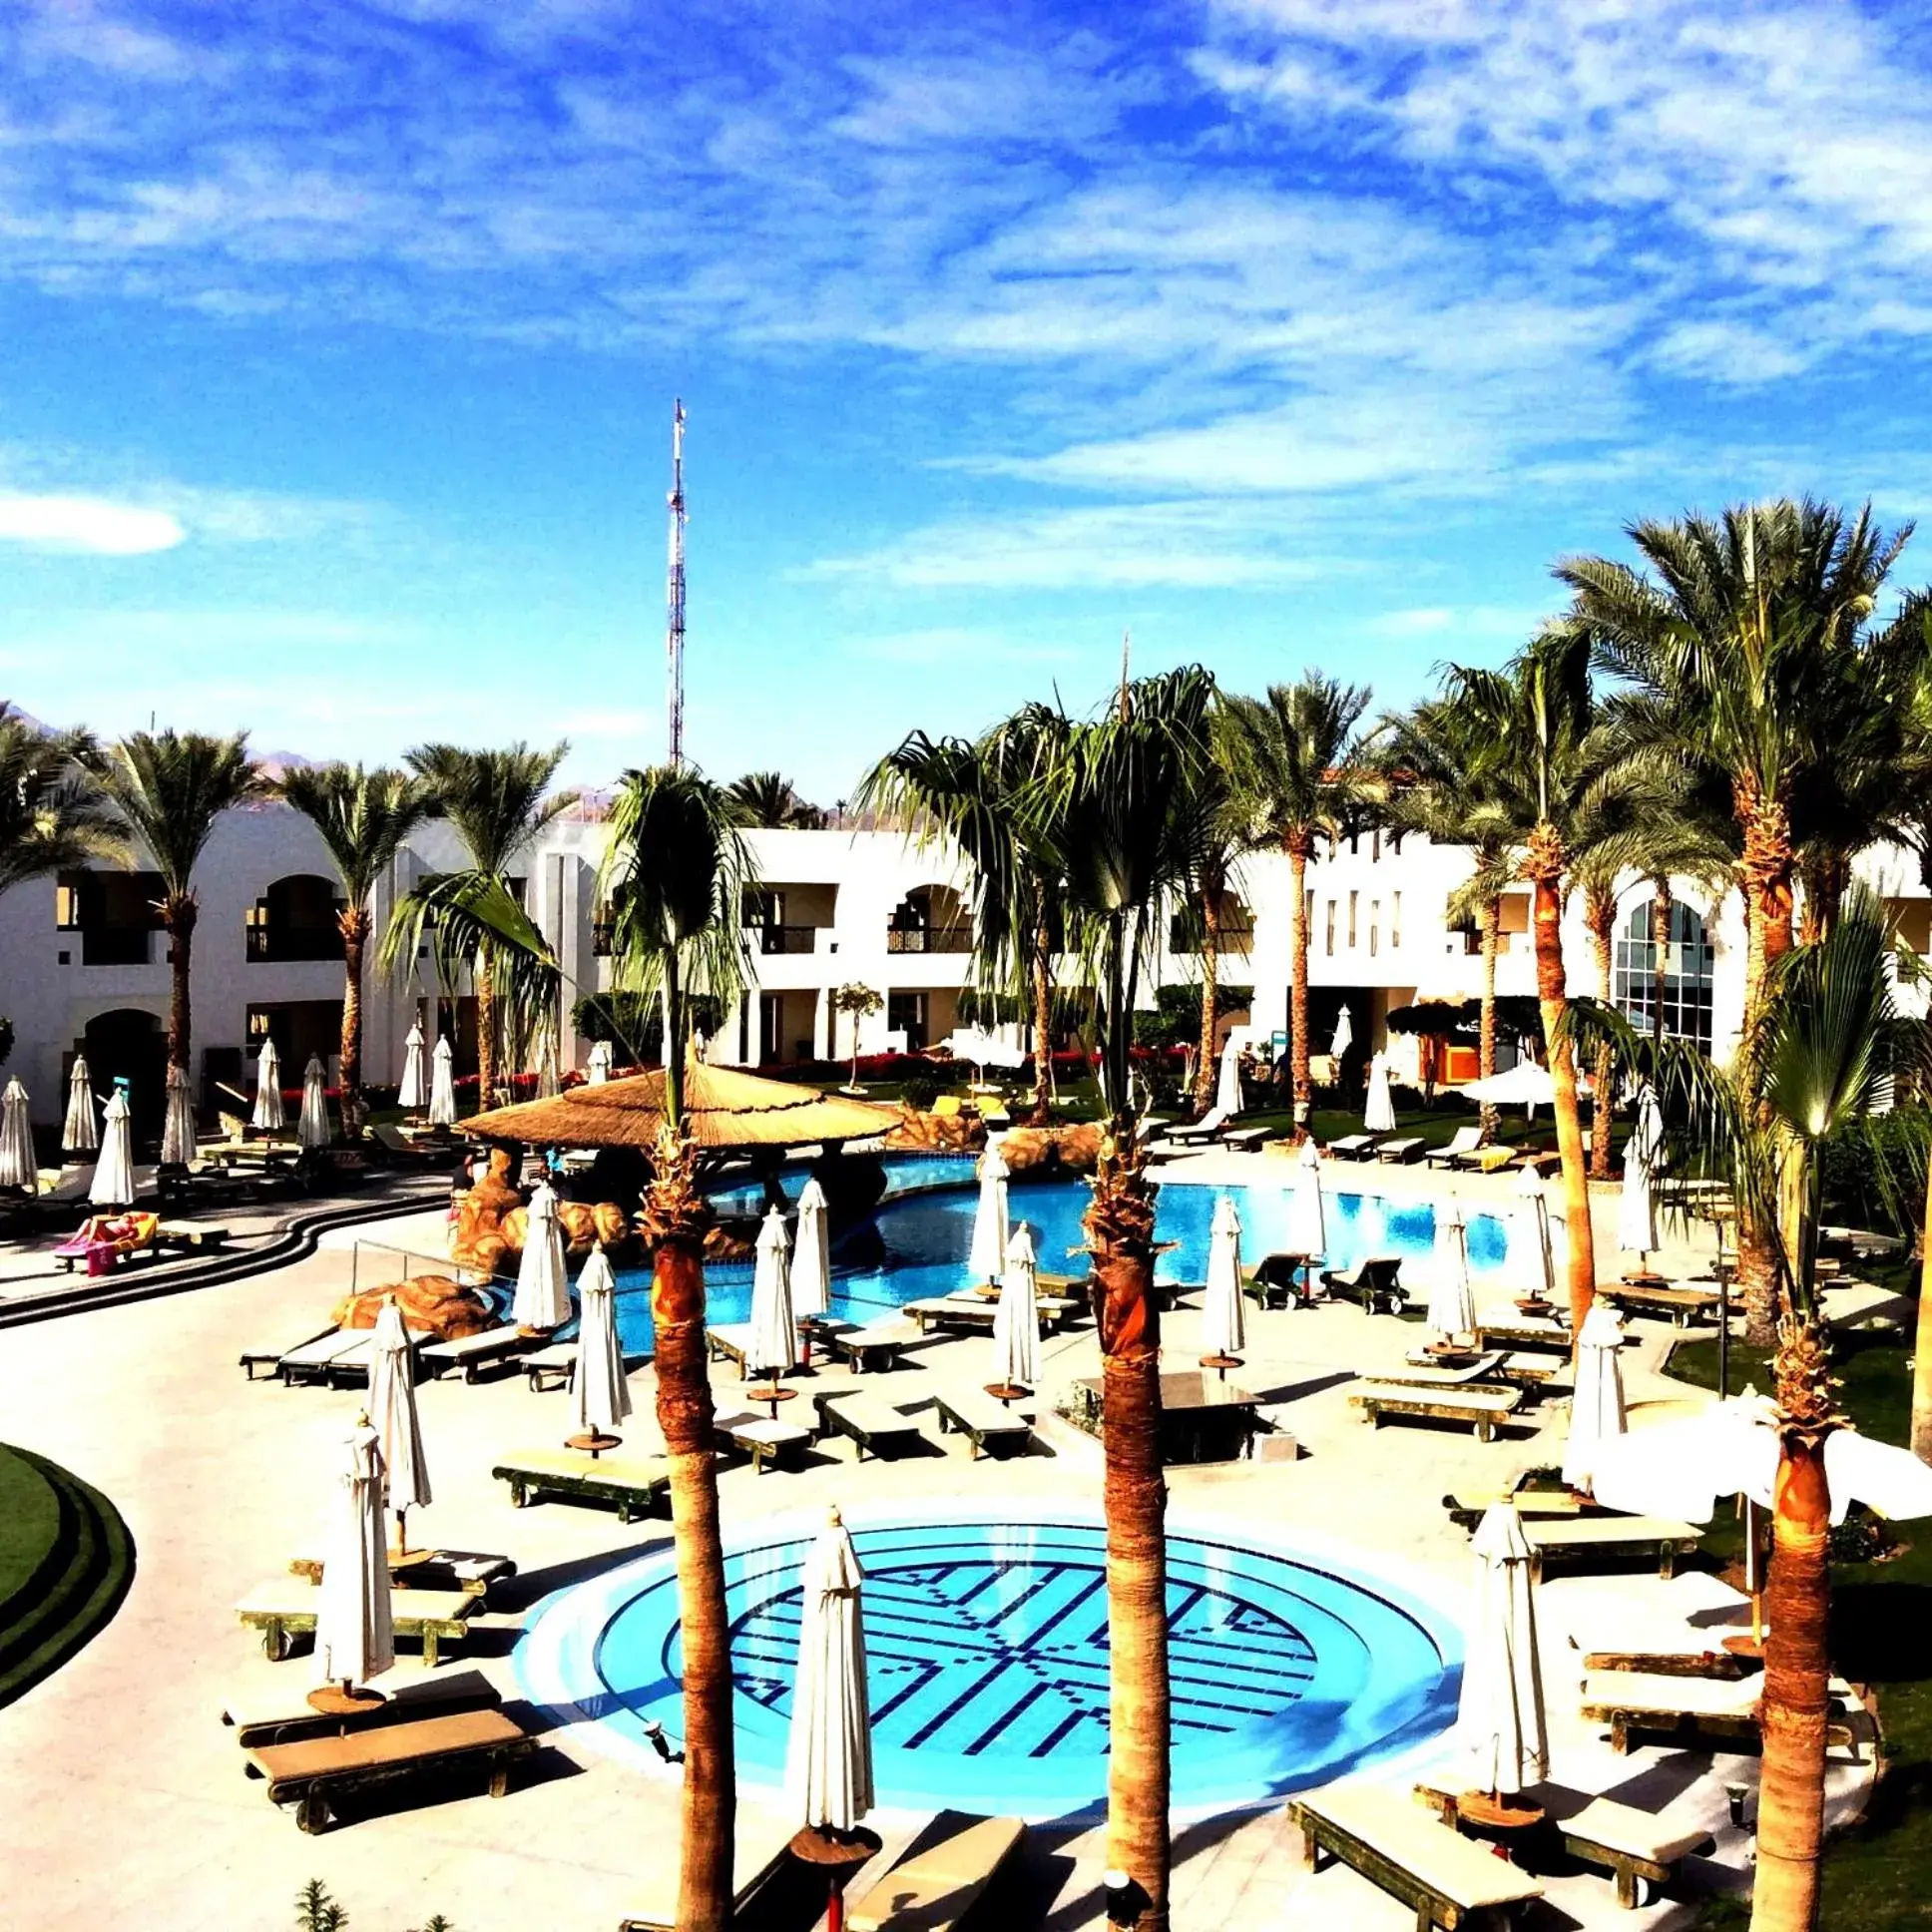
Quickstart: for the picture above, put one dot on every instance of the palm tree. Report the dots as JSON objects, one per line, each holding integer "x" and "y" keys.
{"x": 965, "y": 791}
{"x": 1815, "y": 1054}
{"x": 1554, "y": 792}
{"x": 1443, "y": 757}
{"x": 363, "y": 818}
{"x": 676, "y": 874}
{"x": 171, "y": 788}
{"x": 51, "y": 815}
{"x": 1745, "y": 640}
{"x": 1109, "y": 817}
{"x": 1298, "y": 765}
{"x": 769, "y": 799}
{"x": 496, "y": 802}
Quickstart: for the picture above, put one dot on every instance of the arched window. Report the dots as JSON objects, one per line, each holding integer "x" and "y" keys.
{"x": 1686, "y": 973}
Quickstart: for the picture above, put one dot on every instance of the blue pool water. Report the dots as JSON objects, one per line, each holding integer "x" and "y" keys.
{"x": 916, "y": 1246}
{"x": 904, "y": 1174}
{"x": 987, "y": 1664}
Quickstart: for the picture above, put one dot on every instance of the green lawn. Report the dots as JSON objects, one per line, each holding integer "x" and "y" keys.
{"x": 66, "y": 1560}
{"x": 1879, "y": 1876}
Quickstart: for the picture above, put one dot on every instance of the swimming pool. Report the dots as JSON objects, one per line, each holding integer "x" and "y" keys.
{"x": 987, "y": 1661}
{"x": 905, "y": 1172}
{"x": 916, "y": 1246}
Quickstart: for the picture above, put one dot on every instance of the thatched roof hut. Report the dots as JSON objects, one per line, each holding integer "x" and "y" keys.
{"x": 723, "y": 1109}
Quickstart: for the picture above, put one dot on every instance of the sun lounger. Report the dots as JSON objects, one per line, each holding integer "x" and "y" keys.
{"x": 318, "y": 1773}
{"x": 1401, "y": 1151}
{"x": 1636, "y": 1847}
{"x": 103, "y": 1241}
{"x": 758, "y": 1854}
{"x": 636, "y": 1484}
{"x": 1353, "y": 1147}
{"x": 781, "y": 1444}
{"x": 270, "y": 1358}
{"x": 399, "y": 1146}
{"x": 1245, "y": 1140}
{"x": 991, "y": 1426}
{"x": 549, "y": 1367}
{"x": 1375, "y": 1281}
{"x": 190, "y": 1237}
{"x": 1682, "y": 1305}
{"x": 465, "y": 1571}
{"x": 1400, "y": 1849}
{"x": 1631, "y": 1702}
{"x": 273, "y": 1715}
{"x": 1485, "y": 1410}
{"x": 1279, "y": 1280}
{"x": 937, "y": 1885}
{"x": 332, "y": 1360}
{"x": 1499, "y": 1329}
{"x": 1466, "y": 1140}
{"x": 878, "y": 1345}
{"x": 1601, "y": 1535}
{"x": 1467, "y": 1506}
{"x": 471, "y": 1352}
{"x": 1486, "y": 1160}
{"x": 969, "y": 1310}
{"x": 1421, "y": 1372}
{"x": 1207, "y": 1127}
{"x": 1542, "y": 1161}
{"x": 1722, "y": 1667}
{"x": 869, "y": 1420}
{"x": 285, "y": 1609}
{"x": 731, "y": 1342}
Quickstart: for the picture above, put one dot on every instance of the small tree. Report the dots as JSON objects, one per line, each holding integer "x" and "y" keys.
{"x": 861, "y": 1002}
{"x": 315, "y": 1911}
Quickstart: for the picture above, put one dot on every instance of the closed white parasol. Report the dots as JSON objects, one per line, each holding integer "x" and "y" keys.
{"x": 1499, "y": 1722}
{"x": 80, "y": 1132}
{"x": 1227, "y": 1092}
{"x": 1452, "y": 1301}
{"x": 442, "y": 1084}
{"x": 601, "y": 1394}
{"x": 986, "y": 1259}
{"x": 1016, "y": 1320}
{"x": 773, "y": 1344}
{"x": 413, "y": 1095}
{"x": 113, "y": 1172}
{"x": 811, "y": 1255}
{"x": 1224, "y": 1314}
{"x": 354, "y": 1635}
{"x": 1532, "y": 1257}
{"x": 18, "y": 1169}
{"x": 1307, "y": 1216}
{"x": 597, "y": 1069}
{"x": 178, "y": 1121}
{"x": 313, "y": 1127}
{"x": 542, "y": 1300}
{"x": 269, "y": 1115}
{"x": 828, "y": 1761}
{"x": 1597, "y": 1408}
{"x": 392, "y": 1409}
{"x": 1637, "y": 1204}
{"x": 1379, "y": 1115}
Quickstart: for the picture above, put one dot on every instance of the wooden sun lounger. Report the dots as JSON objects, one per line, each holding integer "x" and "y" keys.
{"x": 321, "y": 1771}
{"x": 992, "y": 1427}
{"x": 878, "y": 1345}
{"x": 778, "y": 1444}
{"x": 270, "y": 1358}
{"x": 731, "y": 1342}
{"x": 935, "y": 1889}
{"x": 266, "y": 1718}
{"x": 1402, "y": 1150}
{"x": 1611, "y": 1536}
{"x": 330, "y": 1360}
{"x": 1375, "y": 1281}
{"x": 1441, "y": 1876}
{"x": 756, "y": 1855}
{"x": 287, "y": 1607}
{"x": 458, "y": 1570}
{"x": 1484, "y": 1410}
{"x": 191, "y": 1237}
{"x": 1682, "y": 1305}
{"x": 1245, "y": 1140}
{"x": 1465, "y": 1139}
{"x": 549, "y": 1367}
{"x": 868, "y": 1420}
{"x": 1514, "y": 1330}
{"x": 1467, "y": 1506}
{"x": 1420, "y": 1372}
{"x": 969, "y": 1310}
{"x": 1279, "y": 1279}
{"x": 471, "y": 1352}
{"x": 1720, "y": 1666}
{"x": 636, "y": 1484}
{"x": 1353, "y": 1147}
{"x": 1486, "y": 1160}
{"x": 1632, "y": 1703}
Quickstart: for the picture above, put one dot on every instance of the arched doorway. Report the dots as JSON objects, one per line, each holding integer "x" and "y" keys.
{"x": 1686, "y": 973}
{"x": 129, "y": 1044}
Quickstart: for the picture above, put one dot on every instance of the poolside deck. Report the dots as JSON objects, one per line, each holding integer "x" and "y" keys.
{"x": 223, "y": 1481}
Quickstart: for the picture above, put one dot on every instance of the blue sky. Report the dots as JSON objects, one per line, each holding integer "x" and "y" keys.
{"x": 340, "y": 343}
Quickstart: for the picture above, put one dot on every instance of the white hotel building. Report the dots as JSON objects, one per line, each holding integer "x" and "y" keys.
{"x": 84, "y": 969}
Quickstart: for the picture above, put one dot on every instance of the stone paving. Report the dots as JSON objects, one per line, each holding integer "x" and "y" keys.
{"x": 125, "y": 1797}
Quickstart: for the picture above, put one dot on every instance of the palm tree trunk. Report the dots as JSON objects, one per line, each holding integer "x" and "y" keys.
{"x": 355, "y": 923}
{"x": 1764, "y": 874}
{"x": 178, "y": 914}
{"x": 1299, "y": 845}
{"x": 1210, "y": 986}
{"x": 1042, "y": 1011}
{"x": 1793, "y": 1708}
{"x": 1922, "y": 1349}
{"x": 675, "y": 1216}
{"x": 1492, "y": 929}
{"x": 1120, "y": 1227}
{"x": 1661, "y": 909}
{"x": 1599, "y": 915}
{"x": 1545, "y": 869}
{"x": 485, "y": 1034}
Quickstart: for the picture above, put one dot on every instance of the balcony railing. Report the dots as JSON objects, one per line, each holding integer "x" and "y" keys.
{"x": 281, "y": 945}
{"x": 787, "y": 939}
{"x": 115, "y": 946}
{"x": 929, "y": 940}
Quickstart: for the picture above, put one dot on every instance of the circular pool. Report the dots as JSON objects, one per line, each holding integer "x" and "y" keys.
{"x": 987, "y": 1661}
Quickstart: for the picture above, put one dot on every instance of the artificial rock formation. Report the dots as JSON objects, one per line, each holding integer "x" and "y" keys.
{"x": 941, "y": 1133}
{"x": 431, "y": 1304}
{"x": 1070, "y": 1149}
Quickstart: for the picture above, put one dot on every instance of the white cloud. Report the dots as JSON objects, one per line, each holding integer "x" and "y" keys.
{"x": 92, "y": 524}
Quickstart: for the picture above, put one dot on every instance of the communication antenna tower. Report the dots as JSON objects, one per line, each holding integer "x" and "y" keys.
{"x": 675, "y": 595}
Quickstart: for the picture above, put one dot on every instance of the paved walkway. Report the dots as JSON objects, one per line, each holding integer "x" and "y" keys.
{"x": 127, "y": 1802}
